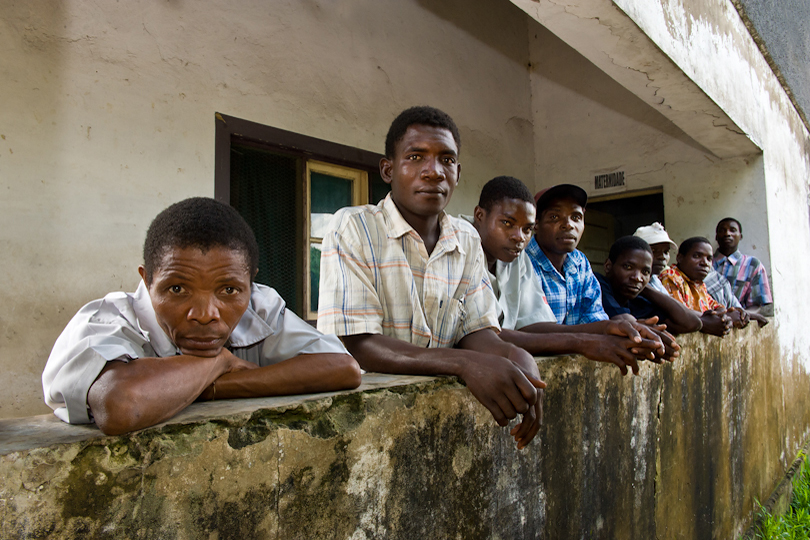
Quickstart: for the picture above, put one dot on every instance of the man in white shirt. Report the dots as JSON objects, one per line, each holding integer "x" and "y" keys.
{"x": 197, "y": 328}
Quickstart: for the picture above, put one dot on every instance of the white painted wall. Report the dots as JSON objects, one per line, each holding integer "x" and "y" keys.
{"x": 587, "y": 124}
{"x": 108, "y": 117}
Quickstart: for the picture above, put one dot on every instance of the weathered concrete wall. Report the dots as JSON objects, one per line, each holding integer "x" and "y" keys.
{"x": 574, "y": 101}
{"x": 108, "y": 117}
{"x": 678, "y": 452}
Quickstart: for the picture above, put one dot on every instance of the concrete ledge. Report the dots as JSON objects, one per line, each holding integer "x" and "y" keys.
{"x": 677, "y": 452}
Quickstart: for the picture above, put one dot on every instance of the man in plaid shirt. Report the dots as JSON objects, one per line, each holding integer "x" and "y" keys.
{"x": 405, "y": 286}
{"x": 746, "y": 274}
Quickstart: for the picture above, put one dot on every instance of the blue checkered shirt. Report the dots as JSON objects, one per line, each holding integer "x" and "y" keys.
{"x": 575, "y": 298}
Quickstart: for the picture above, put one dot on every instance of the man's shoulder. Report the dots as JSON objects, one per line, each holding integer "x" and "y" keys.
{"x": 463, "y": 228}
{"x": 354, "y": 213}
{"x": 264, "y": 298}
{"x": 579, "y": 261}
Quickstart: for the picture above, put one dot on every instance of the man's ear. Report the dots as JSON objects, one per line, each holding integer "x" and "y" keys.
{"x": 385, "y": 169}
{"x": 678, "y": 259}
{"x": 142, "y": 272}
{"x": 458, "y": 173}
{"x": 479, "y": 214}
{"x": 608, "y": 266}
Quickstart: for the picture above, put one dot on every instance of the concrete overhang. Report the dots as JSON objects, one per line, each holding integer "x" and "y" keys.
{"x": 601, "y": 32}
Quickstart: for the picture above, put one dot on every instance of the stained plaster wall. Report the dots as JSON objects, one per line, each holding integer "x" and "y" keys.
{"x": 708, "y": 40}
{"x": 575, "y": 101}
{"x": 108, "y": 117}
{"x": 680, "y": 451}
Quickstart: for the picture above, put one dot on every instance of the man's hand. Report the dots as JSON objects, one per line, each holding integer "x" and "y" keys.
{"x": 739, "y": 317}
{"x": 761, "y": 319}
{"x": 671, "y": 348}
{"x": 716, "y": 322}
{"x": 610, "y": 349}
{"x": 647, "y": 344}
{"x": 528, "y": 427}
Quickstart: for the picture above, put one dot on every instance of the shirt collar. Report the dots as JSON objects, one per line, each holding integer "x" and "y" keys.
{"x": 536, "y": 251}
{"x": 399, "y": 227}
{"x": 250, "y": 330}
{"x": 681, "y": 273}
{"x": 733, "y": 258}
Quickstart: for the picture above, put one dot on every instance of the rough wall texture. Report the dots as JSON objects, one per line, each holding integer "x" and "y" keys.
{"x": 678, "y": 452}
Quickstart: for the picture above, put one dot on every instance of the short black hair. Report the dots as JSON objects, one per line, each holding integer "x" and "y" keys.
{"x": 422, "y": 116}
{"x": 735, "y": 220}
{"x": 202, "y": 223}
{"x": 625, "y": 244}
{"x": 503, "y": 187}
{"x": 687, "y": 245}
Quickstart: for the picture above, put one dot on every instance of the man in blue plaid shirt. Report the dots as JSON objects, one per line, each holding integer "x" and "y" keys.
{"x": 571, "y": 288}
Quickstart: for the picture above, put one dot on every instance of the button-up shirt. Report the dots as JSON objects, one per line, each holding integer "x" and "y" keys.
{"x": 747, "y": 277}
{"x": 692, "y": 294}
{"x": 123, "y": 327}
{"x": 377, "y": 278}
{"x": 720, "y": 289}
{"x": 575, "y": 298}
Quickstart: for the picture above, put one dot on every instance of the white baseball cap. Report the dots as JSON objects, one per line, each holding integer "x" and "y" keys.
{"x": 655, "y": 234}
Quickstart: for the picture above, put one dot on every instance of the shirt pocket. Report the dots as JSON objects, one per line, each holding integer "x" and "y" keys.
{"x": 450, "y": 322}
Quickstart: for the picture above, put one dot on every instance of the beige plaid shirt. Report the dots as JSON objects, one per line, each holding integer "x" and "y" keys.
{"x": 377, "y": 278}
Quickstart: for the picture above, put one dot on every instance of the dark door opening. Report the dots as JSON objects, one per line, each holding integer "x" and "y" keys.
{"x": 613, "y": 216}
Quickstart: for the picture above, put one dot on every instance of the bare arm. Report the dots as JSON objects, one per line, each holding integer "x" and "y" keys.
{"x": 599, "y": 347}
{"x": 680, "y": 319}
{"x": 133, "y": 395}
{"x": 302, "y": 374}
{"x": 490, "y": 369}
{"x": 646, "y": 342}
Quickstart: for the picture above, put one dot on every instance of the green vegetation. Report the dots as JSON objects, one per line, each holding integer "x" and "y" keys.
{"x": 795, "y": 524}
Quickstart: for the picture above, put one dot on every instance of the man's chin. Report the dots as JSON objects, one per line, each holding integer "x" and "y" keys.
{"x": 201, "y": 352}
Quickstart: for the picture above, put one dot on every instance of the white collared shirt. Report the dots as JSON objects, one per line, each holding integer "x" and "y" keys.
{"x": 521, "y": 300}
{"x": 123, "y": 327}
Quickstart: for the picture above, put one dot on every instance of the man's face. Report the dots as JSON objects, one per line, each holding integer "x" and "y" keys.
{"x": 660, "y": 257}
{"x": 423, "y": 172}
{"x": 199, "y": 297}
{"x": 560, "y": 226}
{"x": 728, "y": 235}
{"x": 697, "y": 263}
{"x": 629, "y": 273}
{"x": 506, "y": 228}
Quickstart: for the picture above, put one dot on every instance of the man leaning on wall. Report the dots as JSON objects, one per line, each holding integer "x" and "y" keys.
{"x": 197, "y": 328}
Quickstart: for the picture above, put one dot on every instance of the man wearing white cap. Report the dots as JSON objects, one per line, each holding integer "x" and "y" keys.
{"x": 661, "y": 243}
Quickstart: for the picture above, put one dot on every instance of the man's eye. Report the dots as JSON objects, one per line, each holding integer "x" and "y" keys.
{"x": 175, "y": 289}
{"x": 449, "y": 160}
{"x": 230, "y": 290}
{"x": 413, "y": 157}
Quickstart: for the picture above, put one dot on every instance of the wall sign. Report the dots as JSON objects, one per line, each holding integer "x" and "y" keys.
{"x": 613, "y": 181}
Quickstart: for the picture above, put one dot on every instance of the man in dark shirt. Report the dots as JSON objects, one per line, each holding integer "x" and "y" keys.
{"x": 628, "y": 269}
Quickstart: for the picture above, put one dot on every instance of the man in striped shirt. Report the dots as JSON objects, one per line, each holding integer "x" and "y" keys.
{"x": 746, "y": 274}
{"x": 405, "y": 285}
